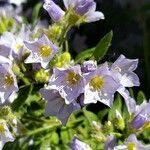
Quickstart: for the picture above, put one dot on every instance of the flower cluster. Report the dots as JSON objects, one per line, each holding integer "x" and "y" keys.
{"x": 30, "y": 56}
{"x": 89, "y": 83}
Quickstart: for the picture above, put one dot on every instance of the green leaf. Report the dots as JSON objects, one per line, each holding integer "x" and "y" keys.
{"x": 87, "y": 54}
{"x": 140, "y": 97}
{"x": 116, "y": 106}
{"x": 103, "y": 46}
{"x": 22, "y": 97}
{"x": 103, "y": 113}
{"x": 35, "y": 14}
{"x": 90, "y": 115}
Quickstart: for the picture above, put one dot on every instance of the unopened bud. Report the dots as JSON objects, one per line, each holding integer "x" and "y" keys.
{"x": 53, "y": 32}
{"x": 16, "y": 69}
{"x": 42, "y": 76}
{"x": 5, "y": 111}
{"x": 96, "y": 125}
{"x": 108, "y": 127}
{"x": 65, "y": 57}
{"x": 63, "y": 60}
{"x": 119, "y": 122}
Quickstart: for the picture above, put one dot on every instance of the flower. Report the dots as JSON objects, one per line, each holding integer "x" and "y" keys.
{"x": 76, "y": 144}
{"x": 8, "y": 82}
{"x": 56, "y": 105}
{"x": 141, "y": 116}
{"x": 132, "y": 144}
{"x": 84, "y": 9}
{"x": 42, "y": 51}
{"x": 13, "y": 43}
{"x": 100, "y": 86}
{"x": 54, "y": 11}
{"x": 123, "y": 69}
{"x": 5, "y": 134}
{"x": 69, "y": 82}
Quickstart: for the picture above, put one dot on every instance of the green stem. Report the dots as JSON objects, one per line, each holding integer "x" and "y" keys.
{"x": 64, "y": 34}
{"x": 24, "y": 79}
{"x": 40, "y": 130}
{"x": 66, "y": 46}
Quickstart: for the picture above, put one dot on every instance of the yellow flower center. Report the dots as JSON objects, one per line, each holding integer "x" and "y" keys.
{"x": 73, "y": 78}
{"x": 8, "y": 80}
{"x": 97, "y": 83}
{"x": 45, "y": 51}
{"x": 131, "y": 146}
{"x": 18, "y": 46}
{"x": 2, "y": 129}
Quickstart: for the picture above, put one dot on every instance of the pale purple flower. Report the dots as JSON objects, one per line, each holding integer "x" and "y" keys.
{"x": 54, "y": 11}
{"x": 69, "y": 82}
{"x": 141, "y": 116}
{"x": 42, "y": 51}
{"x": 110, "y": 143}
{"x": 89, "y": 66}
{"x": 76, "y": 144}
{"x": 123, "y": 69}
{"x": 14, "y": 42}
{"x": 5, "y": 134}
{"x": 86, "y": 8}
{"x": 100, "y": 86}
{"x": 56, "y": 105}
{"x": 132, "y": 143}
{"x": 6, "y": 11}
{"x": 8, "y": 82}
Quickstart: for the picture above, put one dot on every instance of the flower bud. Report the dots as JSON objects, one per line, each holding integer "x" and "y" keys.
{"x": 96, "y": 125}
{"x": 119, "y": 122}
{"x": 53, "y": 32}
{"x": 5, "y": 111}
{"x": 54, "y": 11}
{"x": 63, "y": 60}
{"x": 65, "y": 57}
{"x": 108, "y": 127}
{"x": 89, "y": 66}
{"x": 16, "y": 69}
{"x": 42, "y": 76}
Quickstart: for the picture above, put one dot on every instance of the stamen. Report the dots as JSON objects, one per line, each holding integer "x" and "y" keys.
{"x": 8, "y": 80}
{"x": 97, "y": 83}
{"x": 131, "y": 146}
{"x": 18, "y": 46}
{"x": 45, "y": 51}
{"x": 72, "y": 78}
